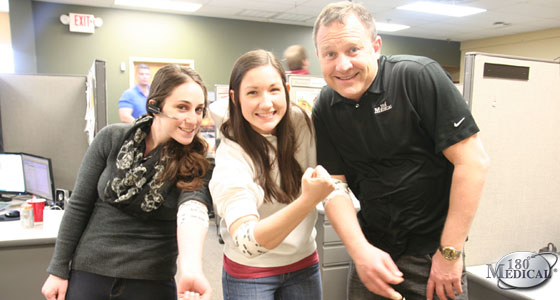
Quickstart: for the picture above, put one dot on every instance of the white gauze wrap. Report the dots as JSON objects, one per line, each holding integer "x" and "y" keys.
{"x": 244, "y": 238}
{"x": 340, "y": 188}
{"x": 192, "y": 211}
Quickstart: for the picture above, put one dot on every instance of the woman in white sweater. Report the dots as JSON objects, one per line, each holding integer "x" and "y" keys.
{"x": 266, "y": 186}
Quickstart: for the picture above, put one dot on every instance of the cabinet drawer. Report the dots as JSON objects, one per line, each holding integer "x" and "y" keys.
{"x": 330, "y": 234}
{"x": 334, "y": 282}
{"x": 334, "y": 255}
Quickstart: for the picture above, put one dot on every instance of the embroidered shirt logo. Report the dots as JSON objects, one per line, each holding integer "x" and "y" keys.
{"x": 459, "y": 123}
{"x": 382, "y": 107}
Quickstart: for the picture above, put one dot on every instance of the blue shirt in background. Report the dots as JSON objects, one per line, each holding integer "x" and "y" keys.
{"x": 133, "y": 98}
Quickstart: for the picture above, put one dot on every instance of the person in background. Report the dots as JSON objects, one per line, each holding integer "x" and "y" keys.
{"x": 140, "y": 197}
{"x": 266, "y": 187}
{"x": 132, "y": 103}
{"x": 295, "y": 58}
{"x": 397, "y": 132}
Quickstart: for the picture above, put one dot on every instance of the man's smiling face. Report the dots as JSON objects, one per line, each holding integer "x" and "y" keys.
{"x": 348, "y": 56}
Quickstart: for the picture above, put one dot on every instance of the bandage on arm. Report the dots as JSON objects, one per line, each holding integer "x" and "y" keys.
{"x": 192, "y": 211}
{"x": 244, "y": 238}
{"x": 340, "y": 188}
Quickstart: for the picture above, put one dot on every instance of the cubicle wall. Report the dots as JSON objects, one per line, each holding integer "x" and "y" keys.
{"x": 516, "y": 103}
{"x": 99, "y": 71}
{"x": 44, "y": 115}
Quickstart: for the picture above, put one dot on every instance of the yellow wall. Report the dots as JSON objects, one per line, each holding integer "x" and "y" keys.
{"x": 5, "y": 28}
{"x": 544, "y": 44}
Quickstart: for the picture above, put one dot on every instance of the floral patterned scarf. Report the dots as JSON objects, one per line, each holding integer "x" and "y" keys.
{"x": 135, "y": 187}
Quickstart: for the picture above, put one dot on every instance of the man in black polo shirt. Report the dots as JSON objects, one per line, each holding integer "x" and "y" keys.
{"x": 400, "y": 134}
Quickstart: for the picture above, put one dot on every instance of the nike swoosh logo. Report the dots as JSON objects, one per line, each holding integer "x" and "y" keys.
{"x": 459, "y": 123}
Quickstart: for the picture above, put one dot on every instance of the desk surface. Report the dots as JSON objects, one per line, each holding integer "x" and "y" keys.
{"x": 13, "y": 234}
{"x": 550, "y": 289}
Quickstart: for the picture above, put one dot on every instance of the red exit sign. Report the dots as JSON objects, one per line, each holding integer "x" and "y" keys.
{"x": 82, "y": 23}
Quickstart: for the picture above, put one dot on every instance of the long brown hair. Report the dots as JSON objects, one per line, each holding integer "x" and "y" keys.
{"x": 187, "y": 164}
{"x": 236, "y": 128}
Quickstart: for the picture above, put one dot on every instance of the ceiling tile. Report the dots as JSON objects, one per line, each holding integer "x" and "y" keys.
{"x": 523, "y": 15}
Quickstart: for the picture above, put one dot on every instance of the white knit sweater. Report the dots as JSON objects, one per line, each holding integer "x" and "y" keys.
{"x": 236, "y": 194}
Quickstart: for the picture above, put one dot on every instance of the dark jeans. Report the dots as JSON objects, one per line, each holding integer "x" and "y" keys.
{"x": 416, "y": 270}
{"x": 89, "y": 286}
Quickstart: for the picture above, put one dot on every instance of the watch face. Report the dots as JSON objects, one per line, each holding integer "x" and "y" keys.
{"x": 450, "y": 253}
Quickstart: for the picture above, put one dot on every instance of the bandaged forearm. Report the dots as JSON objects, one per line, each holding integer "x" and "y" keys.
{"x": 192, "y": 211}
{"x": 340, "y": 188}
{"x": 244, "y": 238}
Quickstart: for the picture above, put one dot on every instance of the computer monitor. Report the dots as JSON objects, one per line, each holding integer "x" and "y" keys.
{"x": 23, "y": 173}
{"x": 12, "y": 180}
{"x": 38, "y": 175}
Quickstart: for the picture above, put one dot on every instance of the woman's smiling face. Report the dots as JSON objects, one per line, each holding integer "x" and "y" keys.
{"x": 263, "y": 98}
{"x": 186, "y": 105}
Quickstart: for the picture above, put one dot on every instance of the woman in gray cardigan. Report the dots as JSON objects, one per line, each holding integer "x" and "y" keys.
{"x": 140, "y": 197}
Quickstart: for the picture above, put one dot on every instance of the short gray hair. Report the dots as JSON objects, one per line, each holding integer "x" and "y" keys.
{"x": 338, "y": 11}
{"x": 142, "y": 66}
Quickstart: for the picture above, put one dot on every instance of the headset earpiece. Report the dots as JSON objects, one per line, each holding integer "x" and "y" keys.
{"x": 151, "y": 108}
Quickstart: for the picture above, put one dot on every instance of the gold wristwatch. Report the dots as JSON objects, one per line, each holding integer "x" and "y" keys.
{"x": 449, "y": 252}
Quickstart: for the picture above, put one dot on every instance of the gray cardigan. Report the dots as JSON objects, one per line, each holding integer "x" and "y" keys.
{"x": 96, "y": 237}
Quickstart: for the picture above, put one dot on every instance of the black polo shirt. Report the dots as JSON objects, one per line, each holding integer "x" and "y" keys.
{"x": 389, "y": 146}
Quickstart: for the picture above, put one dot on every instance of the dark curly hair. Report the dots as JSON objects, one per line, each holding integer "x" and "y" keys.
{"x": 186, "y": 164}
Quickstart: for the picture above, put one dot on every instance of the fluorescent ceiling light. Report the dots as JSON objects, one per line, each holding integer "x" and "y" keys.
{"x": 389, "y": 27}
{"x": 161, "y": 4}
{"x": 442, "y": 9}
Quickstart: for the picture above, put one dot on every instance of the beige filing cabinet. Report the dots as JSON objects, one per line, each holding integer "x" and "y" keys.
{"x": 334, "y": 260}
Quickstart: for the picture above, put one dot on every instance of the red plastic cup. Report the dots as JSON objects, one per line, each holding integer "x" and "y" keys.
{"x": 38, "y": 207}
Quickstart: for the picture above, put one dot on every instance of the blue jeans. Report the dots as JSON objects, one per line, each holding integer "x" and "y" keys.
{"x": 304, "y": 284}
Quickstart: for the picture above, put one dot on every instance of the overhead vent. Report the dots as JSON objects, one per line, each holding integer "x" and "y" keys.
{"x": 506, "y": 71}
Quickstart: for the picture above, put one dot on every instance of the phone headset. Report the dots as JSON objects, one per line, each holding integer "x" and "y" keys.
{"x": 151, "y": 108}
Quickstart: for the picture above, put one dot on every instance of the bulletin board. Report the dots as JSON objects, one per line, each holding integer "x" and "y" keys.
{"x": 154, "y": 64}
{"x": 304, "y": 90}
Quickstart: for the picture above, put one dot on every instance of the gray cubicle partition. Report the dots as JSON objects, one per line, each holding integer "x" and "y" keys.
{"x": 516, "y": 103}
{"x": 100, "y": 93}
{"x": 44, "y": 115}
